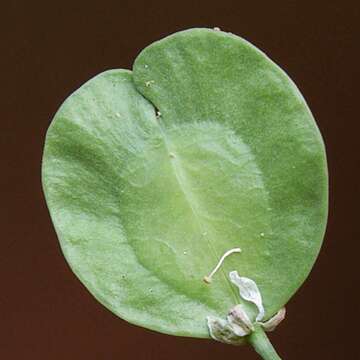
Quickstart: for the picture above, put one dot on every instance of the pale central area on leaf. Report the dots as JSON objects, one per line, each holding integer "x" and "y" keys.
{"x": 194, "y": 192}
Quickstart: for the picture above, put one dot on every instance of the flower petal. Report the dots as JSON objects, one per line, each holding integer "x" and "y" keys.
{"x": 248, "y": 291}
{"x": 221, "y": 330}
{"x": 273, "y": 322}
{"x": 239, "y": 320}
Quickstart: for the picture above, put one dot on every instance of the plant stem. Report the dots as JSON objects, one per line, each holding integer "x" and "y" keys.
{"x": 262, "y": 345}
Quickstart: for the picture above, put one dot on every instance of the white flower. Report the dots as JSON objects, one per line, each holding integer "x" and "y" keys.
{"x": 238, "y": 324}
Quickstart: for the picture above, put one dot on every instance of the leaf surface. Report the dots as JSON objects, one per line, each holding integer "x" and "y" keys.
{"x": 144, "y": 206}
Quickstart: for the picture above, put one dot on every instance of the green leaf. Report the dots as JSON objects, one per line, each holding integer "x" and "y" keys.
{"x": 144, "y": 206}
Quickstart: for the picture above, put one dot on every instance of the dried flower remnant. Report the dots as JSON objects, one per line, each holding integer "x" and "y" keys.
{"x": 237, "y": 323}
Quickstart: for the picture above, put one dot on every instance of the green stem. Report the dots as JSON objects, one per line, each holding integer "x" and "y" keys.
{"x": 262, "y": 345}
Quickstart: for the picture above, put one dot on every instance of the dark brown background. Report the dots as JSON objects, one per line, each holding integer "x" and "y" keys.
{"x": 48, "y": 49}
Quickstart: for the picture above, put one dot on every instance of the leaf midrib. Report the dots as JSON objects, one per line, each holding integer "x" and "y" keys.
{"x": 180, "y": 177}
